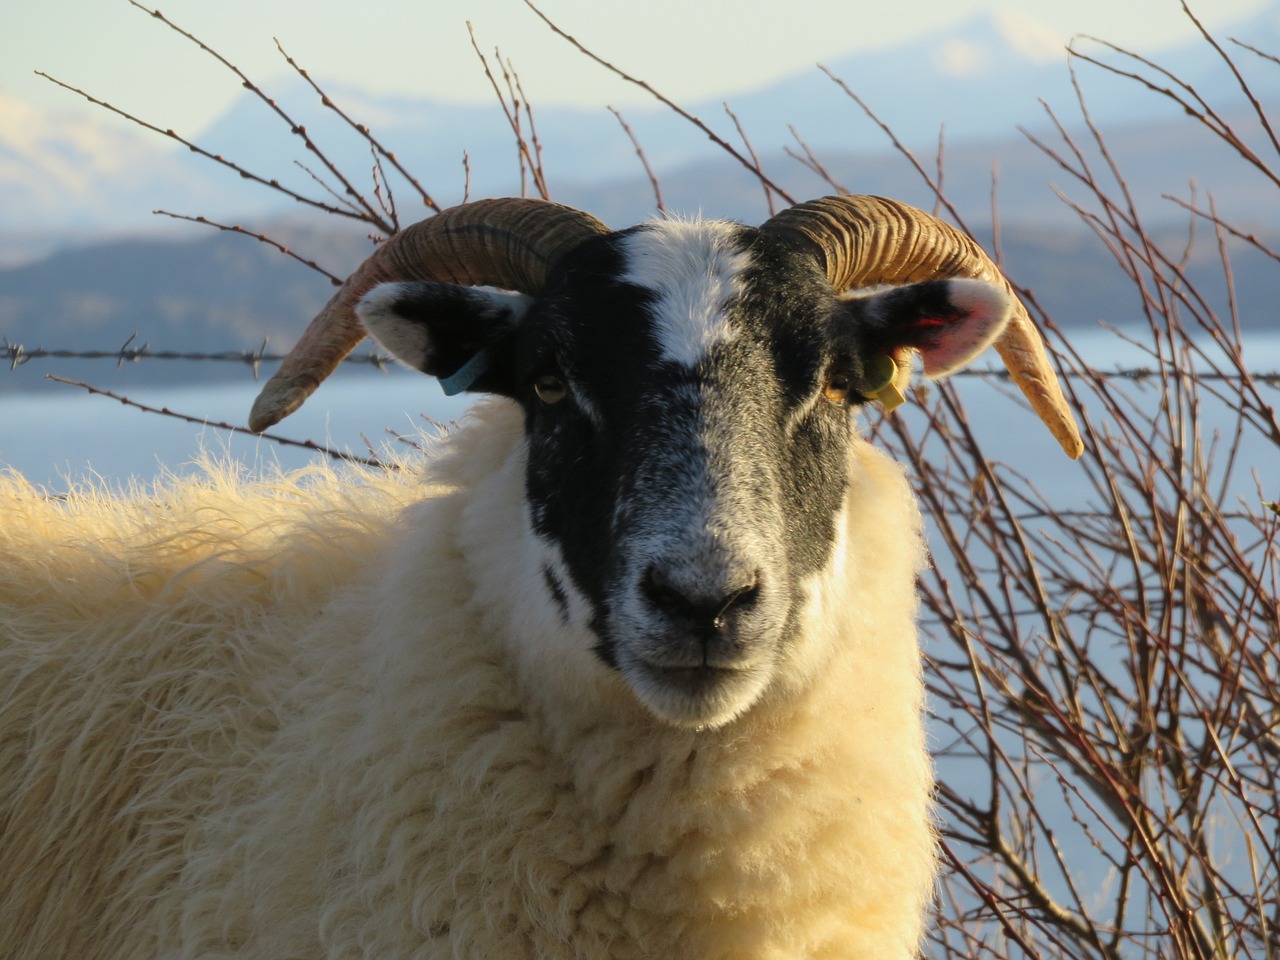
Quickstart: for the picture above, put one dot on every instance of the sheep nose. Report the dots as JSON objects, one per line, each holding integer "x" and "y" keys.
{"x": 705, "y": 611}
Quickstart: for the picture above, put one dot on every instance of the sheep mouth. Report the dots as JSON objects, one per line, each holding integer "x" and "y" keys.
{"x": 698, "y": 695}
{"x": 692, "y": 679}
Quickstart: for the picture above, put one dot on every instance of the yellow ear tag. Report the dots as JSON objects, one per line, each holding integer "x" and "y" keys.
{"x": 883, "y": 374}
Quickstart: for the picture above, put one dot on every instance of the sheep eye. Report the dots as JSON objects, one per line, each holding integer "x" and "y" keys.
{"x": 550, "y": 388}
{"x": 837, "y": 387}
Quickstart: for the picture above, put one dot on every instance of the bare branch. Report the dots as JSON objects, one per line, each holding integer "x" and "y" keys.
{"x": 231, "y": 428}
{"x": 644, "y": 162}
{"x": 380, "y": 152}
{"x": 260, "y": 237}
{"x": 755, "y": 170}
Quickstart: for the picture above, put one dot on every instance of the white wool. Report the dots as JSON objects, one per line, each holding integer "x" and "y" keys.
{"x": 693, "y": 269}
{"x": 337, "y": 716}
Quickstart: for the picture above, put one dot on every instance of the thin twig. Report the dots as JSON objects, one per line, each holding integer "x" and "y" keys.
{"x": 295, "y": 128}
{"x": 229, "y": 427}
{"x": 260, "y": 237}
{"x": 216, "y": 158}
{"x": 363, "y": 130}
{"x": 755, "y": 170}
{"x": 644, "y": 162}
{"x": 755, "y": 160}
{"x": 810, "y": 161}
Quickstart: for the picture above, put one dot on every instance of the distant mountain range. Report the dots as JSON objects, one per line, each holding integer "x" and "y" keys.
{"x": 68, "y": 186}
{"x": 62, "y": 174}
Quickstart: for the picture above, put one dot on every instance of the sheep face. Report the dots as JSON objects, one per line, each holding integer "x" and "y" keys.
{"x": 688, "y": 391}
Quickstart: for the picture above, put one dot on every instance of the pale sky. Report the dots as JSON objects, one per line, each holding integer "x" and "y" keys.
{"x": 688, "y": 49}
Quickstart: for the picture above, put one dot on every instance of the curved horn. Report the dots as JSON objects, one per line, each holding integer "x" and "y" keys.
{"x": 864, "y": 241}
{"x": 510, "y": 243}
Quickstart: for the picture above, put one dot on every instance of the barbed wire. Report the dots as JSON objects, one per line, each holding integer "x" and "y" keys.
{"x": 17, "y": 355}
{"x": 1138, "y": 374}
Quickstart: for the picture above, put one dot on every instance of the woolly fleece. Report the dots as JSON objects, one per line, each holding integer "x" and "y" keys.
{"x": 328, "y": 717}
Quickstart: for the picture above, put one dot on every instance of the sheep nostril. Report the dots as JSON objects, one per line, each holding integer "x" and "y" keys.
{"x": 712, "y": 609}
{"x": 738, "y": 601}
{"x": 662, "y": 595}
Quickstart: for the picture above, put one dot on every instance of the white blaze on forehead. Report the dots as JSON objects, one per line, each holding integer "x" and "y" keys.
{"x": 694, "y": 270}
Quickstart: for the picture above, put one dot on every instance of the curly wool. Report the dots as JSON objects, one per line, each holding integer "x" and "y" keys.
{"x": 321, "y": 718}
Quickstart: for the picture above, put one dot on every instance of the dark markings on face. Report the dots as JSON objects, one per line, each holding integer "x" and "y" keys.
{"x": 619, "y": 456}
{"x": 556, "y": 589}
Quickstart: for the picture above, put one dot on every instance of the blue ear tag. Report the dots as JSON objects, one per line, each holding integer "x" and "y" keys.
{"x": 467, "y": 374}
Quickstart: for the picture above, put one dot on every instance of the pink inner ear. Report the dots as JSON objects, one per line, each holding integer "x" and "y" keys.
{"x": 947, "y": 344}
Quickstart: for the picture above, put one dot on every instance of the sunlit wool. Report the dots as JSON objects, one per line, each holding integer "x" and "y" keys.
{"x": 318, "y": 717}
{"x": 625, "y": 666}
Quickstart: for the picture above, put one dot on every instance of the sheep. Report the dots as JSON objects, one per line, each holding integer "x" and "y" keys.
{"x": 626, "y": 667}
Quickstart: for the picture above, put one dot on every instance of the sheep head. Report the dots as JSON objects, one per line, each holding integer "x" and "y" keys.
{"x": 687, "y": 392}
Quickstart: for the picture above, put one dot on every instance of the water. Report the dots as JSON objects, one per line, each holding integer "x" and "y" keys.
{"x": 59, "y": 434}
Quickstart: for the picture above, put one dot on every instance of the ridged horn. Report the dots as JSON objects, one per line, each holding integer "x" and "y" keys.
{"x": 508, "y": 243}
{"x": 866, "y": 240}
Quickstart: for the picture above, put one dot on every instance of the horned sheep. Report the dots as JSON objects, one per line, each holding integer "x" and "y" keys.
{"x": 626, "y": 668}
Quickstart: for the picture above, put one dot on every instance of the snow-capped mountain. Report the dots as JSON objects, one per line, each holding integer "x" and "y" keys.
{"x": 962, "y": 77}
{"x": 981, "y": 80}
{"x": 59, "y": 170}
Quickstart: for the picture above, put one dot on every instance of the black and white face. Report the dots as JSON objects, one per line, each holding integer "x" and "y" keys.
{"x": 688, "y": 392}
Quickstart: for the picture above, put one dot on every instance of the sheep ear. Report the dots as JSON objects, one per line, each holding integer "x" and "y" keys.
{"x": 460, "y": 335}
{"x": 948, "y": 321}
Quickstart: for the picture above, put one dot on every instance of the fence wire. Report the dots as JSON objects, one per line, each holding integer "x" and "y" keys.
{"x": 18, "y": 355}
